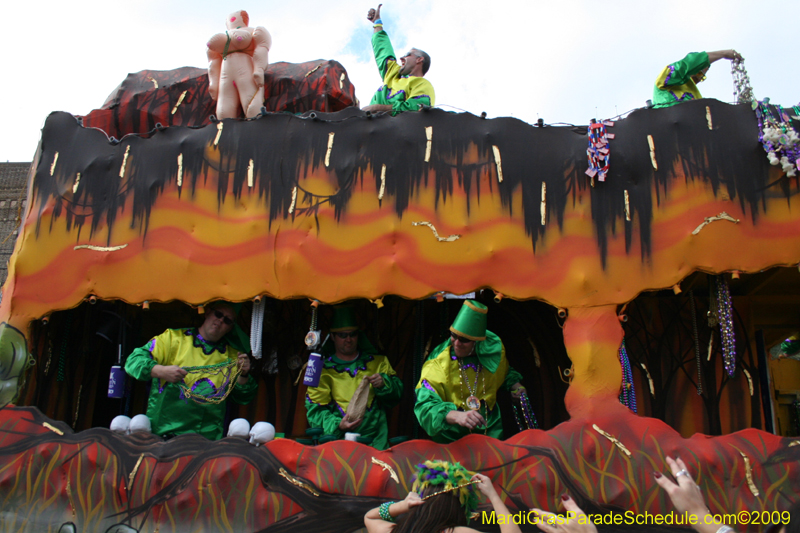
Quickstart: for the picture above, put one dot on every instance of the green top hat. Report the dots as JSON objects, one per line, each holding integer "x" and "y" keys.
{"x": 471, "y": 321}
{"x": 344, "y": 319}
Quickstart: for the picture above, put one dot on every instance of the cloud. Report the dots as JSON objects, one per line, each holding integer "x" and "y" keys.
{"x": 566, "y": 61}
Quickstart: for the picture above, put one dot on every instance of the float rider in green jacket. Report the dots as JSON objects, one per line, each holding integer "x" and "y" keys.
{"x": 457, "y": 392}
{"x": 404, "y": 86}
{"x": 190, "y": 372}
{"x": 678, "y": 81}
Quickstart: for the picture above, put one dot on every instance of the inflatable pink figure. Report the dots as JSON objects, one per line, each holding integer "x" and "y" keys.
{"x": 236, "y": 63}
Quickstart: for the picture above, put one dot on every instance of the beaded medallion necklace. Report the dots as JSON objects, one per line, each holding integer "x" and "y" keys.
{"x": 473, "y": 402}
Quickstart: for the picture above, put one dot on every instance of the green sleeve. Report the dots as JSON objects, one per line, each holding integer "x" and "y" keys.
{"x": 681, "y": 71}
{"x": 244, "y": 394}
{"x": 139, "y": 364}
{"x": 326, "y": 417}
{"x": 390, "y": 394}
{"x": 382, "y": 48}
{"x": 512, "y": 376}
{"x": 431, "y": 411}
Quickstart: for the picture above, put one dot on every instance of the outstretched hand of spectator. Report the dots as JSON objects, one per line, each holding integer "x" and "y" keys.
{"x": 684, "y": 492}
{"x": 686, "y": 495}
{"x": 577, "y": 522}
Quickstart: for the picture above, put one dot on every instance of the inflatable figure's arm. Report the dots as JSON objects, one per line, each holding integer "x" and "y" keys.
{"x": 214, "y": 68}
{"x": 216, "y": 46}
{"x": 263, "y": 42}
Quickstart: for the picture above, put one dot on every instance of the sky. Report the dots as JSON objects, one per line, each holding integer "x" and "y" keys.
{"x": 565, "y": 61}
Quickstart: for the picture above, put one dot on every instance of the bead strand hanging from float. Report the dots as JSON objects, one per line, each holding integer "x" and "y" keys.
{"x": 724, "y": 313}
{"x": 696, "y": 340}
{"x": 742, "y": 91}
{"x": 779, "y": 138}
{"x": 527, "y": 413}
{"x": 627, "y": 395}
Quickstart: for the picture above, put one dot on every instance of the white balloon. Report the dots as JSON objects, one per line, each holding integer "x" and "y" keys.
{"x": 121, "y": 424}
{"x": 239, "y": 427}
{"x": 261, "y": 433}
{"x": 140, "y": 423}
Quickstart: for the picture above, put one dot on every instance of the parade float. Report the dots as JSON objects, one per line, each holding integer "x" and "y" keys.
{"x": 600, "y": 275}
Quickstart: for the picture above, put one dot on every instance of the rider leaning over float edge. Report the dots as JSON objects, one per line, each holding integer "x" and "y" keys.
{"x": 678, "y": 81}
{"x": 404, "y": 86}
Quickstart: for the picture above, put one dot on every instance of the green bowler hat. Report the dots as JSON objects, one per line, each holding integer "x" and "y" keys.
{"x": 471, "y": 321}
{"x": 344, "y": 319}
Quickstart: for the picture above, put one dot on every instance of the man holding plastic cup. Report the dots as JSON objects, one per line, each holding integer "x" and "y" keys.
{"x": 348, "y": 358}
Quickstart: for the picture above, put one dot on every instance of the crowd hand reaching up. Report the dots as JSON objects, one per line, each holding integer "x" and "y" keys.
{"x": 467, "y": 419}
{"x": 685, "y": 494}
{"x": 411, "y": 500}
{"x": 577, "y": 522}
{"x": 485, "y": 486}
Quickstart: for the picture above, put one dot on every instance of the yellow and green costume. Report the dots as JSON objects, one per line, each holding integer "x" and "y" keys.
{"x": 169, "y": 410}
{"x": 326, "y": 404}
{"x": 446, "y": 380}
{"x": 441, "y": 390}
{"x": 402, "y": 93}
{"x": 674, "y": 85}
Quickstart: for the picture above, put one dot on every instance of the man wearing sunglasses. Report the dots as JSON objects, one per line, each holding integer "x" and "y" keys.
{"x": 457, "y": 391}
{"x": 163, "y": 361}
{"x": 348, "y": 358}
{"x": 404, "y": 85}
{"x": 678, "y": 82}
